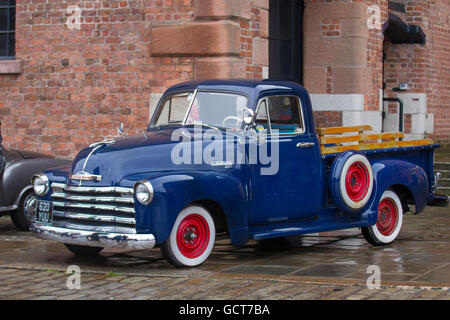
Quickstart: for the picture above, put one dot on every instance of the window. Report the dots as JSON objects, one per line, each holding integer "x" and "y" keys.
{"x": 284, "y": 115}
{"x": 217, "y": 109}
{"x": 7, "y": 29}
{"x": 174, "y": 109}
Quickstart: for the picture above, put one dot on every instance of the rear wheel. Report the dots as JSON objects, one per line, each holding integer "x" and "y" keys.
{"x": 192, "y": 238}
{"x": 24, "y": 215}
{"x": 83, "y": 251}
{"x": 389, "y": 221}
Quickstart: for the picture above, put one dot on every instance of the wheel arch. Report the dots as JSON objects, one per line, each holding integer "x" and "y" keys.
{"x": 408, "y": 180}
{"x": 405, "y": 194}
{"x": 217, "y": 213}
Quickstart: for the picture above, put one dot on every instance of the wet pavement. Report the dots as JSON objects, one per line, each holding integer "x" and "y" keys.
{"x": 330, "y": 265}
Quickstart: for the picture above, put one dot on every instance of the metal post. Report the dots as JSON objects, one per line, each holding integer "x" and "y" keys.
{"x": 401, "y": 112}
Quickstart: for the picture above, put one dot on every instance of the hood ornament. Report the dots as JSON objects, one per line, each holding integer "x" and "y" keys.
{"x": 120, "y": 129}
{"x": 84, "y": 176}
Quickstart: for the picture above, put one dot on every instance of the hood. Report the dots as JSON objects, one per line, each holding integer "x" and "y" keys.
{"x": 148, "y": 152}
{"x": 14, "y": 155}
{"x": 32, "y": 154}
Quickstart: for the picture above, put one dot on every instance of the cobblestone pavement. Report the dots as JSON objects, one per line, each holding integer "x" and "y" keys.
{"x": 330, "y": 265}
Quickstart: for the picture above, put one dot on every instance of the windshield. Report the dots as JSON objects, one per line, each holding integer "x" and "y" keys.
{"x": 203, "y": 108}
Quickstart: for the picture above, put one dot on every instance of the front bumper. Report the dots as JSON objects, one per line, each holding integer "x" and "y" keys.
{"x": 94, "y": 239}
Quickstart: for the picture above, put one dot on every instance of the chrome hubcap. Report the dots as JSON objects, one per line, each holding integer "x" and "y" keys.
{"x": 30, "y": 207}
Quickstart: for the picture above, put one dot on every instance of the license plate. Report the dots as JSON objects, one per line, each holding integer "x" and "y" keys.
{"x": 44, "y": 212}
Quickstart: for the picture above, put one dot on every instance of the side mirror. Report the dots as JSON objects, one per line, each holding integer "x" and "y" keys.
{"x": 248, "y": 118}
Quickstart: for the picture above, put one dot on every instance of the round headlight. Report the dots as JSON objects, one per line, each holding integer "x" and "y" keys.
{"x": 144, "y": 192}
{"x": 40, "y": 184}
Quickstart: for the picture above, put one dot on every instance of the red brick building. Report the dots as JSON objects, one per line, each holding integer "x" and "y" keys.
{"x": 71, "y": 70}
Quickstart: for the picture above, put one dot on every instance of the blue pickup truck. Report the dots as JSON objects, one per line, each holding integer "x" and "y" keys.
{"x": 240, "y": 158}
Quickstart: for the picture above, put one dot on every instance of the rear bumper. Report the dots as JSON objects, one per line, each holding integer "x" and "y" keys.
{"x": 94, "y": 239}
{"x": 438, "y": 201}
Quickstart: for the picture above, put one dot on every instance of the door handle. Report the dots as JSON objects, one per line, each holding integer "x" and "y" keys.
{"x": 305, "y": 144}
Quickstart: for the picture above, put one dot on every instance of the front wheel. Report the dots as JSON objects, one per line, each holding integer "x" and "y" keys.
{"x": 192, "y": 238}
{"x": 24, "y": 215}
{"x": 389, "y": 221}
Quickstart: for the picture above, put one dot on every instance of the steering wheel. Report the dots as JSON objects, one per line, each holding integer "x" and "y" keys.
{"x": 237, "y": 119}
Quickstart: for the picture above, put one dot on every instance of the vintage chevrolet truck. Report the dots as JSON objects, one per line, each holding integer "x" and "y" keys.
{"x": 234, "y": 158}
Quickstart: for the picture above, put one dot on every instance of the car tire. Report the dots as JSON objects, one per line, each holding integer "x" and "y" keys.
{"x": 192, "y": 238}
{"x": 23, "y": 216}
{"x": 389, "y": 221}
{"x": 83, "y": 251}
{"x": 351, "y": 181}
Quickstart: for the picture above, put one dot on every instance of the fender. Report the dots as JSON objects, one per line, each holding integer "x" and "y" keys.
{"x": 388, "y": 173}
{"x": 17, "y": 175}
{"x": 173, "y": 191}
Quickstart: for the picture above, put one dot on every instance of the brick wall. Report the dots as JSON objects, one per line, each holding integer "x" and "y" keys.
{"x": 70, "y": 87}
{"x": 76, "y": 84}
{"x": 338, "y": 33}
{"x": 426, "y": 68}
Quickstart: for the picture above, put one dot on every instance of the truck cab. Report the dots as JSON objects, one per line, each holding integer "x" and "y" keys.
{"x": 235, "y": 157}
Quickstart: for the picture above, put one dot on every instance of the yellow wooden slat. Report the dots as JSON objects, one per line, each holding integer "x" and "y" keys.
{"x": 378, "y": 145}
{"x": 414, "y": 143}
{"x": 339, "y": 149}
{"x": 339, "y": 139}
{"x": 382, "y": 136}
{"x": 336, "y": 130}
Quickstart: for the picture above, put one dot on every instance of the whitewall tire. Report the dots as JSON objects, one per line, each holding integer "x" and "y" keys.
{"x": 356, "y": 181}
{"x": 192, "y": 238}
{"x": 389, "y": 220}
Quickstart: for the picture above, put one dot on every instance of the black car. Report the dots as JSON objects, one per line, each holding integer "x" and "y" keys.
{"x": 17, "y": 197}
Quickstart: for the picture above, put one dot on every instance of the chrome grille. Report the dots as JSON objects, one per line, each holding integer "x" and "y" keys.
{"x": 100, "y": 209}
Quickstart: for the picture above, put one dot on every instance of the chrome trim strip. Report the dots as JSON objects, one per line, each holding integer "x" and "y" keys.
{"x": 94, "y": 217}
{"x": 61, "y": 195}
{"x": 10, "y": 208}
{"x": 58, "y": 185}
{"x": 95, "y": 239}
{"x": 90, "y": 154}
{"x": 93, "y": 189}
{"x": 93, "y": 228}
{"x": 190, "y": 107}
{"x": 92, "y": 206}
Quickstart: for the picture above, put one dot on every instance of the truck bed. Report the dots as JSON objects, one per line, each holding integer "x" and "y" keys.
{"x": 335, "y": 140}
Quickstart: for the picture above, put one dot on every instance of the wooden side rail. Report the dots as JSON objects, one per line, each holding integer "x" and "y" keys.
{"x": 340, "y": 139}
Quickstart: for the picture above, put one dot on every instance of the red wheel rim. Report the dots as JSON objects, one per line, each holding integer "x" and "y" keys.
{"x": 193, "y": 236}
{"x": 387, "y": 216}
{"x": 357, "y": 181}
